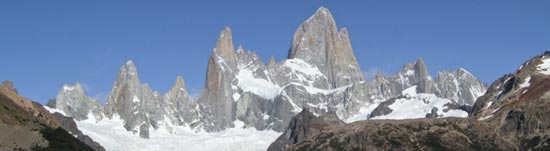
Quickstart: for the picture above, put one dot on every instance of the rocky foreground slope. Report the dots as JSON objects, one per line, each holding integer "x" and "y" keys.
{"x": 26, "y": 125}
{"x": 511, "y": 115}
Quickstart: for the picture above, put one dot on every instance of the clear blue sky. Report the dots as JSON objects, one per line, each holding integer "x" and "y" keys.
{"x": 44, "y": 44}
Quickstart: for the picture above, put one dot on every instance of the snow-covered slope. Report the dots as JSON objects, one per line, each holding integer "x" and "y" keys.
{"x": 414, "y": 105}
{"x": 411, "y": 105}
{"x": 111, "y": 134}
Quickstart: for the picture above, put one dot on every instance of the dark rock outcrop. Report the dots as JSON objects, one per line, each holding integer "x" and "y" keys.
{"x": 302, "y": 126}
{"x": 69, "y": 125}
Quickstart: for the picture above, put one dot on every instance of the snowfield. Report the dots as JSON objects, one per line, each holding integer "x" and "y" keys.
{"x": 417, "y": 105}
{"x": 111, "y": 134}
{"x": 113, "y": 137}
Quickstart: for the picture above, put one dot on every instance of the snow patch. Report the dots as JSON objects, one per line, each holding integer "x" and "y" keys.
{"x": 485, "y": 117}
{"x": 314, "y": 90}
{"x": 302, "y": 66}
{"x": 68, "y": 88}
{"x": 411, "y": 91}
{"x": 236, "y": 96}
{"x": 409, "y": 72}
{"x": 526, "y": 83}
{"x": 418, "y": 105}
{"x": 544, "y": 67}
{"x": 51, "y": 110}
{"x": 135, "y": 99}
{"x": 261, "y": 87}
{"x": 364, "y": 112}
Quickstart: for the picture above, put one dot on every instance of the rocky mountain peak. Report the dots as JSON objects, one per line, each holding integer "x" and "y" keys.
{"x": 224, "y": 47}
{"x": 73, "y": 101}
{"x": 8, "y": 85}
{"x": 420, "y": 69}
{"x": 179, "y": 85}
{"x": 318, "y": 42}
{"x": 75, "y": 88}
{"x": 310, "y": 36}
{"x": 128, "y": 71}
{"x": 179, "y": 82}
{"x": 271, "y": 62}
{"x": 323, "y": 17}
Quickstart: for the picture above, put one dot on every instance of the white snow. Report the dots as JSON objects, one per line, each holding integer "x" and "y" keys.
{"x": 111, "y": 134}
{"x": 55, "y": 110}
{"x": 236, "y": 96}
{"x": 302, "y": 66}
{"x": 68, "y": 88}
{"x": 485, "y": 117}
{"x": 314, "y": 90}
{"x": 135, "y": 99}
{"x": 364, "y": 112}
{"x": 525, "y": 83}
{"x": 261, "y": 87}
{"x": 418, "y": 105}
{"x": 322, "y": 106}
{"x": 409, "y": 72}
{"x": 544, "y": 67}
{"x": 411, "y": 91}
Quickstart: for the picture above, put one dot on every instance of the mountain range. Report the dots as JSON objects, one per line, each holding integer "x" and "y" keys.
{"x": 321, "y": 74}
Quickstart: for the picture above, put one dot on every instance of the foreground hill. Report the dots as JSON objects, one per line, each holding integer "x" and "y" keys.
{"x": 26, "y": 125}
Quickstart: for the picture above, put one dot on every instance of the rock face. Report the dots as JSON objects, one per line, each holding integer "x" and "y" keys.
{"x": 321, "y": 74}
{"x": 510, "y": 116}
{"x": 218, "y": 93}
{"x": 73, "y": 101}
{"x": 26, "y": 125}
{"x": 142, "y": 108}
{"x": 133, "y": 101}
{"x": 318, "y": 42}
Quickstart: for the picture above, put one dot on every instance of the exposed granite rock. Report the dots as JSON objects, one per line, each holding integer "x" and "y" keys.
{"x": 141, "y": 108}
{"x": 73, "y": 101}
{"x": 218, "y": 92}
{"x": 318, "y": 42}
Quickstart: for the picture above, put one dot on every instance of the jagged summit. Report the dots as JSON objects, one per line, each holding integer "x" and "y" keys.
{"x": 180, "y": 82}
{"x": 318, "y": 42}
{"x": 72, "y": 100}
{"x": 271, "y": 62}
{"x": 421, "y": 68}
{"x": 322, "y": 16}
{"x": 321, "y": 74}
{"x": 224, "y": 45}
{"x": 8, "y": 85}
